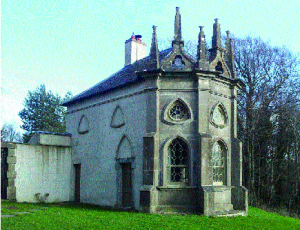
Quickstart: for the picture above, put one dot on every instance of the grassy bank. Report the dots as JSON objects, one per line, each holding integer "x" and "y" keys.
{"x": 70, "y": 216}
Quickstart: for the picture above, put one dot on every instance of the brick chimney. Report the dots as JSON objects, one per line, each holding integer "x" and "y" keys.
{"x": 135, "y": 49}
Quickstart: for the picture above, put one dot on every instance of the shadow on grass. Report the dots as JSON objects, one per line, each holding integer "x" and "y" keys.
{"x": 9, "y": 207}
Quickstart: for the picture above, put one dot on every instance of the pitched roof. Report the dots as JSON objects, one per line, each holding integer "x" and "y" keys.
{"x": 123, "y": 77}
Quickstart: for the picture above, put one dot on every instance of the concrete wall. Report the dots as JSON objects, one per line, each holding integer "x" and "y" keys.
{"x": 39, "y": 169}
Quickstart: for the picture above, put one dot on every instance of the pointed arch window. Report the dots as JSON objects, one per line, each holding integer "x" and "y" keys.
{"x": 178, "y": 161}
{"x": 124, "y": 150}
{"x": 219, "y": 116}
{"x": 219, "y": 153}
{"x": 117, "y": 119}
{"x": 83, "y": 126}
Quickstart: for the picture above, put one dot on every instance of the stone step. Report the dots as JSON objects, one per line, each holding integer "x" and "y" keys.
{"x": 230, "y": 213}
{"x": 222, "y": 207}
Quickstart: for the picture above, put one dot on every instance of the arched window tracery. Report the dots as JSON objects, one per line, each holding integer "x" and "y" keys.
{"x": 178, "y": 161}
{"x": 219, "y": 153}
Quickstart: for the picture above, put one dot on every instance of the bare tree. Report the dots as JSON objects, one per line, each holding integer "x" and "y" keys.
{"x": 9, "y": 133}
{"x": 267, "y": 108}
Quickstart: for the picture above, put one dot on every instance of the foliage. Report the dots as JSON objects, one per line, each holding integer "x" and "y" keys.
{"x": 43, "y": 112}
{"x": 269, "y": 122}
{"x": 80, "y": 216}
{"x": 10, "y": 133}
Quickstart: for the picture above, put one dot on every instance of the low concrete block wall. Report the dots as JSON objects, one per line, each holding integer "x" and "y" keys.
{"x": 39, "y": 172}
{"x": 42, "y": 170}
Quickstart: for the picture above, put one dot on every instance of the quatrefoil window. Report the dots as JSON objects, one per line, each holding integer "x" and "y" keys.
{"x": 178, "y": 112}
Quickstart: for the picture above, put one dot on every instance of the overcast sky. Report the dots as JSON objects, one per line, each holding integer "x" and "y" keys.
{"x": 71, "y": 45}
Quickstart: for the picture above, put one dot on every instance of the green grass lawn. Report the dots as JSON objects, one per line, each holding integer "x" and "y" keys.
{"x": 71, "y": 216}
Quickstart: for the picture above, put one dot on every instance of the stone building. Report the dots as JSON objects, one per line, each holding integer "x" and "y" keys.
{"x": 160, "y": 135}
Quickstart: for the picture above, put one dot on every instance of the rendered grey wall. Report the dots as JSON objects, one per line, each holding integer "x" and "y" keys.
{"x": 97, "y": 149}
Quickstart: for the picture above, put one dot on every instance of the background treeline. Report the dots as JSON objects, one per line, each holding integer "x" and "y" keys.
{"x": 269, "y": 123}
{"x": 42, "y": 112}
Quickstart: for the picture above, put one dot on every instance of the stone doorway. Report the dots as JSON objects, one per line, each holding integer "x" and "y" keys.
{"x": 126, "y": 185}
{"x": 77, "y": 181}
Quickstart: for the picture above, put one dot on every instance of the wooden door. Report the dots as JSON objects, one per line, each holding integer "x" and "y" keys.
{"x": 126, "y": 185}
{"x": 77, "y": 182}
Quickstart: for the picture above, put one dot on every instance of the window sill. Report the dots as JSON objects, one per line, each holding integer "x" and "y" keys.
{"x": 176, "y": 187}
{"x": 217, "y": 188}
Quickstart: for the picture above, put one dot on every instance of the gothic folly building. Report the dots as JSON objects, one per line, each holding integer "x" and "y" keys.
{"x": 160, "y": 135}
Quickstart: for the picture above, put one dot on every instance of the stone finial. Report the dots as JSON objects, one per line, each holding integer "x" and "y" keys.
{"x": 216, "y": 50}
{"x": 216, "y": 39}
{"x": 154, "y": 28}
{"x": 228, "y": 41}
{"x": 154, "y": 52}
{"x": 228, "y": 33}
{"x": 177, "y": 27}
{"x": 228, "y": 56}
{"x": 201, "y": 49}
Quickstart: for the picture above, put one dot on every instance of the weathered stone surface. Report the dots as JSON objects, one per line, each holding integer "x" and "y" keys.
{"x": 11, "y": 160}
{"x": 11, "y": 174}
{"x": 11, "y": 182}
{"x": 11, "y": 152}
{"x": 11, "y": 193}
{"x": 11, "y": 167}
